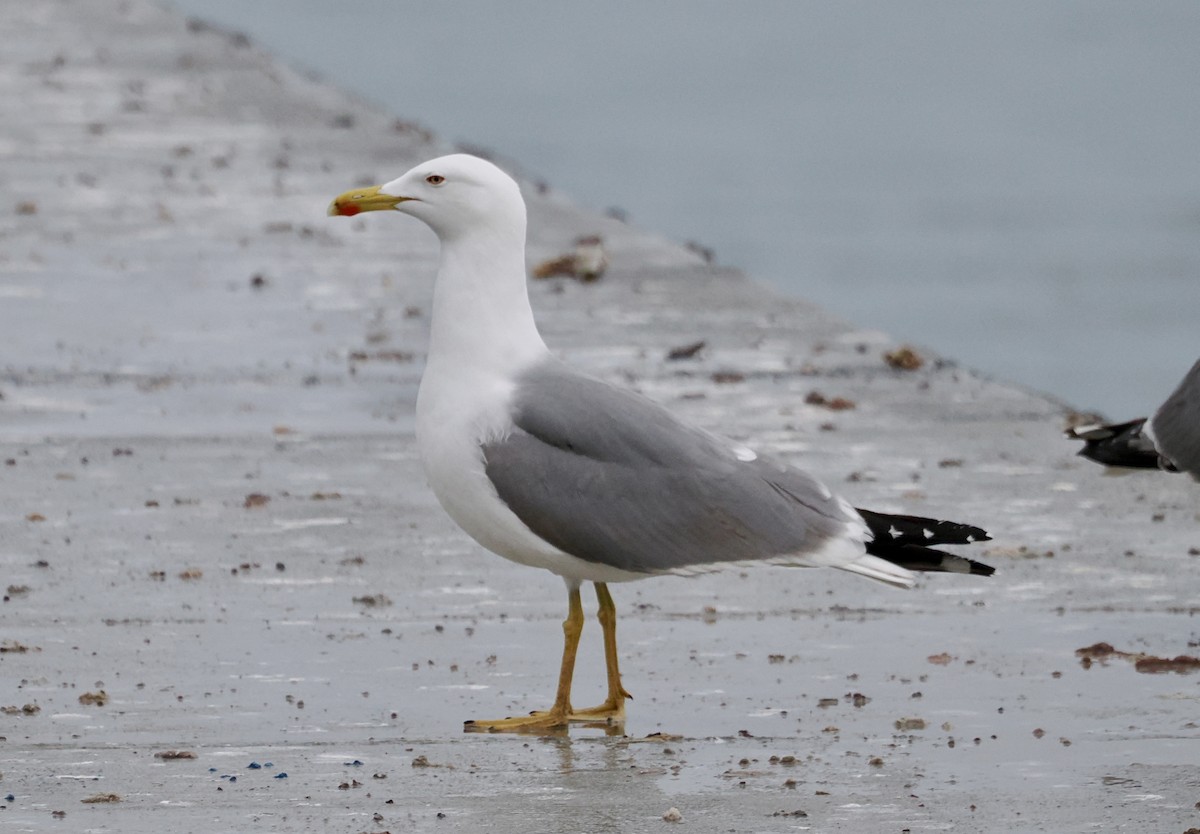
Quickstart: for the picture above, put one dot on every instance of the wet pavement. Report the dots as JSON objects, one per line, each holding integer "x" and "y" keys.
{"x": 216, "y": 537}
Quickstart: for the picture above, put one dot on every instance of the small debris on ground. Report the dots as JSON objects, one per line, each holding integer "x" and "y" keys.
{"x": 27, "y": 709}
{"x": 587, "y": 262}
{"x": 904, "y": 358}
{"x": 832, "y": 403}
{"x": 373, "y": 600}
{"x": 688, "y": 351}
{"x": 98, "y": 698}
{"x": 1145, "y": 663}
{"x": 1179, "y": 664}
{"x": 171, "y": 755}
{"x": 381, "y": 356}
{"x": 672, "y": 815}
{"x": 98, "y": 798}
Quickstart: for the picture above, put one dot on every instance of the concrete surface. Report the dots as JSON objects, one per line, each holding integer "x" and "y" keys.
{"x": 211, "y": 511}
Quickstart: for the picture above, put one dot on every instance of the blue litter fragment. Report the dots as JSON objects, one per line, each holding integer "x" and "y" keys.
{"x": 355, "y": 763}
{"x": 9, "y": 798}
{"x": 212, "y": 770}
{"x": 282, "y": 775}
{"x": 254, "y": 766}
{"x": 268, "y": 764}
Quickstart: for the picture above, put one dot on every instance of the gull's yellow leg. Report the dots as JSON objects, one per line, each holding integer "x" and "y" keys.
{"x": 558, "y": 715}
{"x": 613, "y": 708}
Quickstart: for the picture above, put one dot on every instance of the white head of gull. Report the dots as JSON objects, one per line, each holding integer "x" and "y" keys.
{"x": 551, "y": 468}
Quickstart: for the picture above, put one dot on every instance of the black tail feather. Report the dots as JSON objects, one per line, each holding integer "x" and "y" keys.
{"x": 907, "y": 540}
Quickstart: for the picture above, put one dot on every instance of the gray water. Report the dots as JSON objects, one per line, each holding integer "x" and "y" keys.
{"x": 1014, "y": 184}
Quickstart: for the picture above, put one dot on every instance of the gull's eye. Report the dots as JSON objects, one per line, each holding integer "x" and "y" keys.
{"x": 435, "y": 179}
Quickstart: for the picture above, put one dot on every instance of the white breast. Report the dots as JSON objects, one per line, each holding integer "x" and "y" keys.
{"x": 456, "y": 414}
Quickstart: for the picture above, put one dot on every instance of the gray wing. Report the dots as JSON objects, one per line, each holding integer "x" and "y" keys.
{"x": 610, "y": 477}
{"x": 1176, "y": 425}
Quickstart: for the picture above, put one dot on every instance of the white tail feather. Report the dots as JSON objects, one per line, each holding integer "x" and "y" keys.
{"x": 873, "y": 567}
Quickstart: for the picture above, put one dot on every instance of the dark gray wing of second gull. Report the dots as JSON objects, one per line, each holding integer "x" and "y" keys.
{"x": 1169, "y": 440}
{"x": 1176, "y": 425}
{"x": 612, "y": 478}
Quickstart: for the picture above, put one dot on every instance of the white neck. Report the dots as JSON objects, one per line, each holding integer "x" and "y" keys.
{"x": 482, "y": 320}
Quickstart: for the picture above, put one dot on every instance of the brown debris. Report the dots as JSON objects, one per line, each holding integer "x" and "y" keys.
{"x": 26, "y": 709}
{"x": 256, "y": 499}
{"x": 171, "y": 755}
{"x": 904, "y": 358}
{"x": 587, "y": 262}
{"x": 1145, "y": 663}
{"x": 726, "y": 377}
{"x": 1098, "y": 651}
{"x": 832, "y": 403}
{"x": 98, "y": 798}
{"x": 563, "y": 265}
{"x": 1180, "y": 664}
{"x": 98, "y": 698}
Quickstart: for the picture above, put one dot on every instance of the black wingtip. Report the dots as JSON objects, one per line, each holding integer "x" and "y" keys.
{"x": 1117, "y": 444}
{"x": 907, "y": 540}
{"x": 918, "y": 530}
